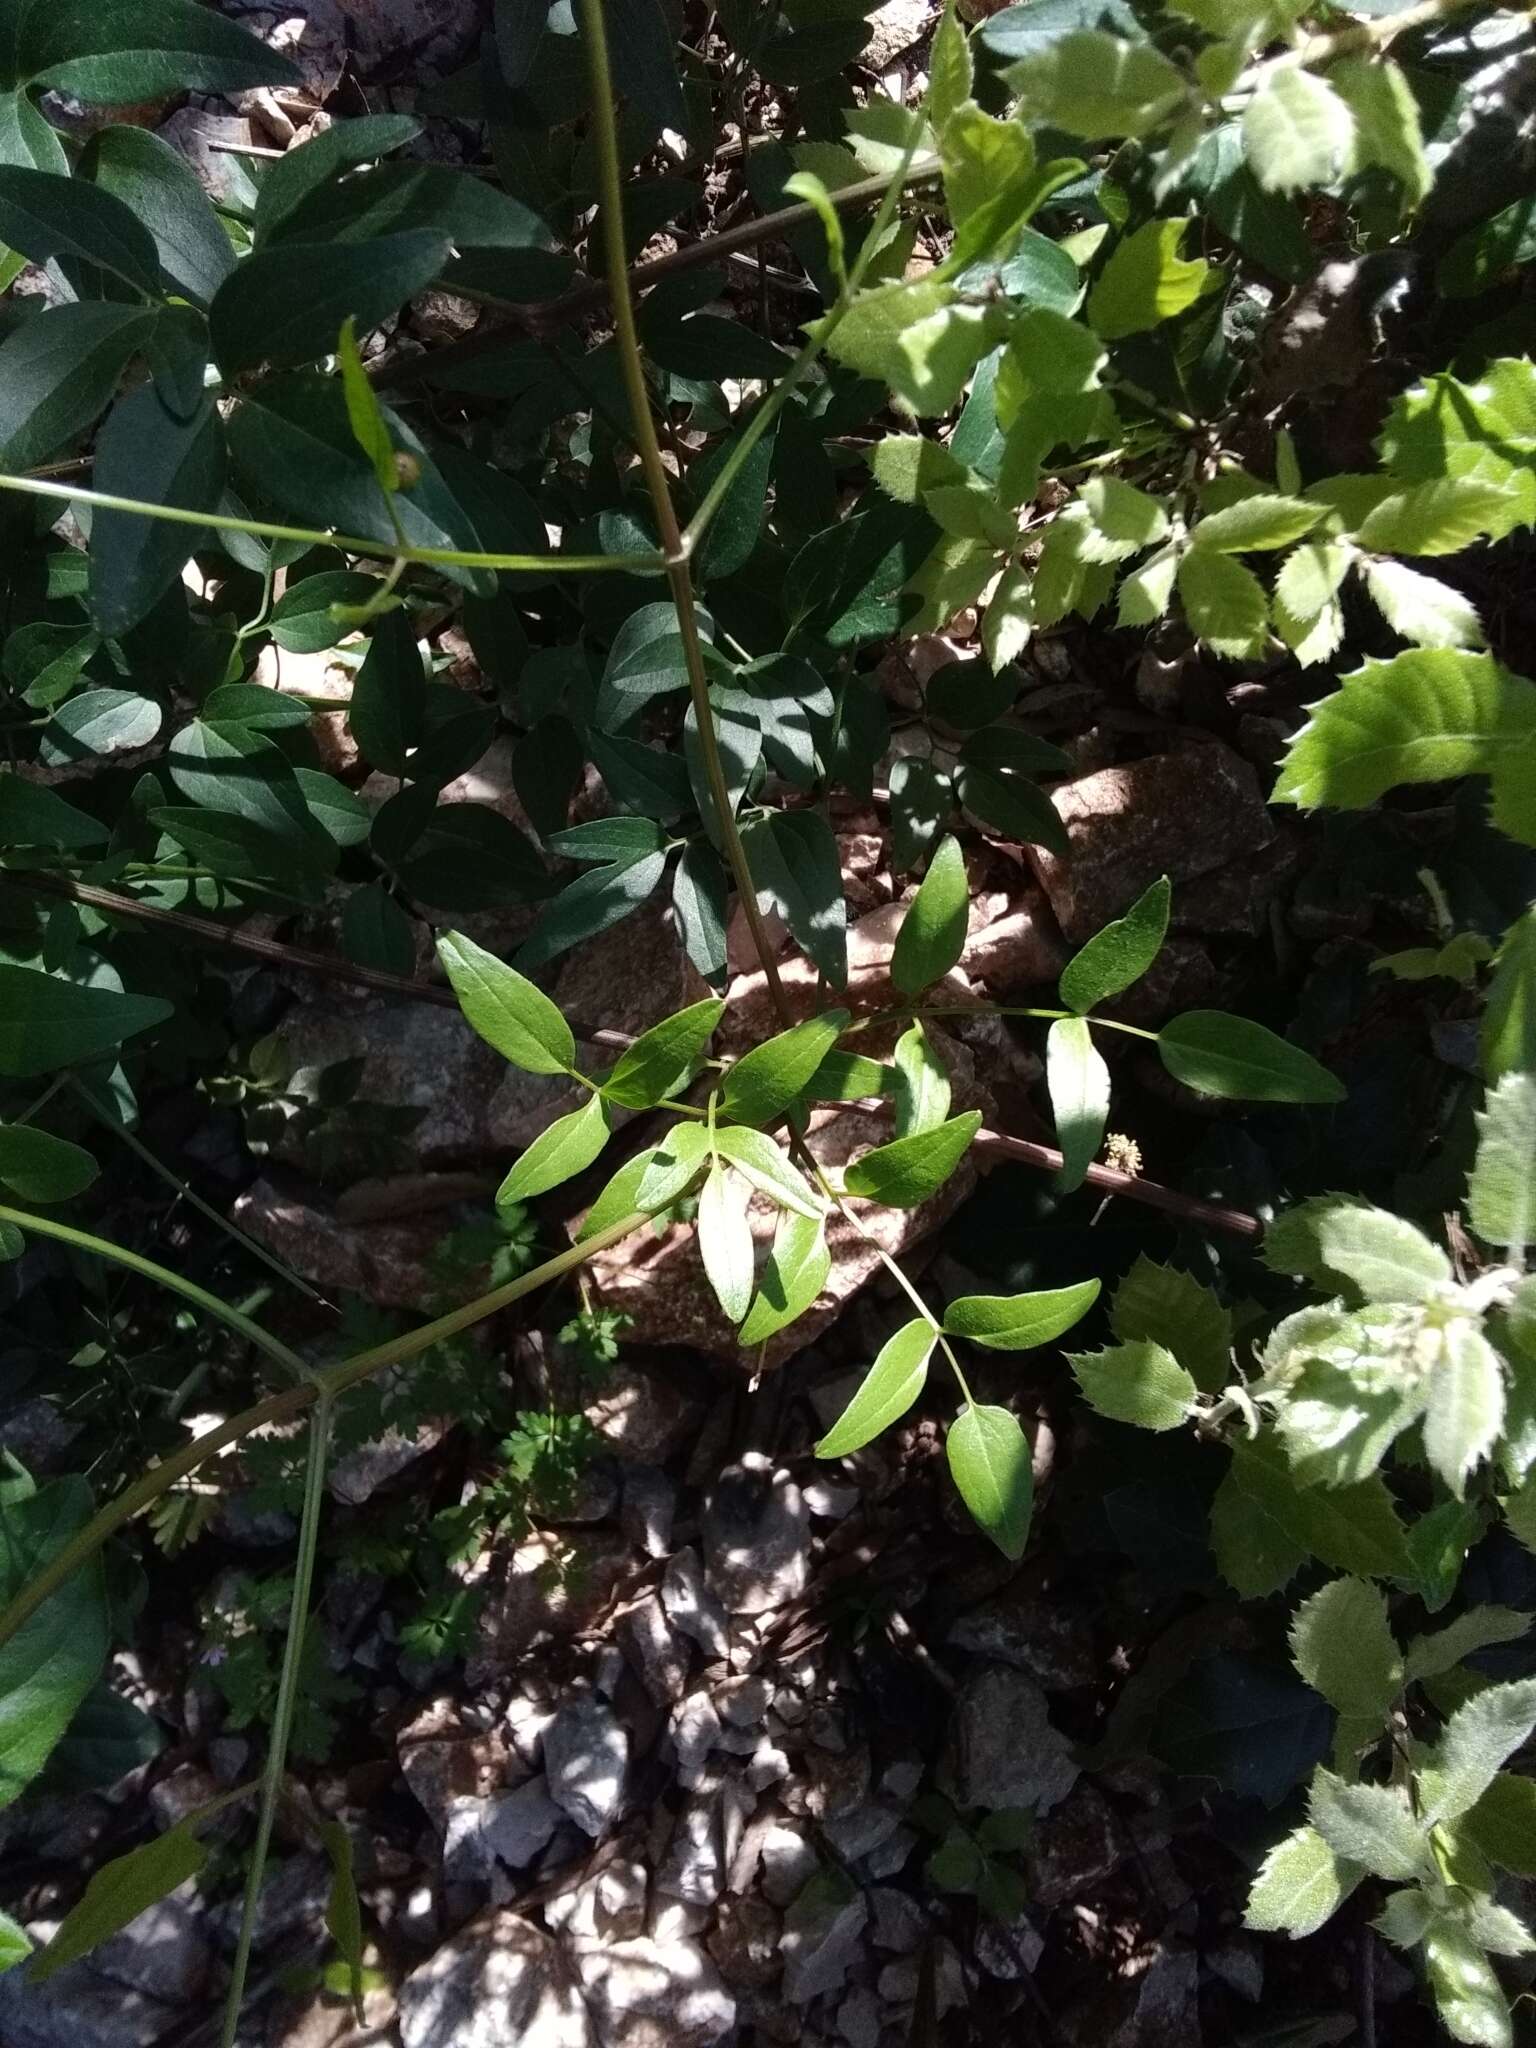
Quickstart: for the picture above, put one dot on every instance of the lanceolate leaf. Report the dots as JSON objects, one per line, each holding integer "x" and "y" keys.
{"x": 765, "y": 1081}
{"x": 793, "y": 1277}
{"x": 567, "y": 1147}
{"x": 908, "y": 1171}
{"x": 506, "y": 1009}
{"x": 1220, "y": 1054}
{"x": 58, "y": 372}
{"x": 45, "y": 216}
{"x": 921, "y": 1085}
{"x": 46, "y": 1023}
{"x": 1018, "y": 1322}
{"x": 119, "y": 1892}
{"x": 663, "y": 1058}
{"x": 1079, "y": 1085}
{"x": 989, "y": 1458}
{"x": 932, "y": 934}
{"x": 118, "y": 52}
{"x": 888, "y": 1390}
{"x": 1120, "y": 954}
{"x": 759, "y": 1161}
{"x": 725, "y": 1240}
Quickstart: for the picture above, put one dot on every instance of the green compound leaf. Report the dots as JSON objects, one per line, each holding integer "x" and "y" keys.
{"x": 1145, "y": 282}
{"x": 758, "y": 1160}
{"x": 1224, "y": 603}
{"x": 886, "y": 1392}
{"x": 909, "y": 1170}
{"x": 932, "y": 934}
{"x": 989, "y": 1460}
{"x": 566, "y": 1148}
{"x": 1119, "y": 954}
{"x": 1018, "y": 1322}
{"x": 1219, "y": 1054}
{"x": 1141, "y": 1383}
{"x": 506, "y": 1009}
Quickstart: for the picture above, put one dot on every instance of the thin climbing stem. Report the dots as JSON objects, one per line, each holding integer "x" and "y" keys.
{"x": 283, "y": 1711}
{"x": 276, "y": 1408}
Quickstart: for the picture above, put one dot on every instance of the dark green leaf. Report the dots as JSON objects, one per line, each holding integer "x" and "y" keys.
{"x": 301, "y": 623}
{"x": 738, "y": 523}
{"x": 1013, "y": 807}
{"x": 161, "y": 189}
{"x": 886, "y": 1392}
{"x": 50, "y": 1664}
{"x": 506, "y": 1009}
{"x": 108, "y": 1738}
{"x": 908, "y": 1170}
{"x": 31, "y": 815}
{"x": 58, "y": 371}
{"x": 765, "y": 1081}
{"x": 43, "y": 216}
{"x": 286, "y": 305}
{"x": 1018, "y": 1322}
{"x": 663, "y": 1058}
{"x": 966, "y": 694}
{"x": 1225, "y": 1055}
{"x": 41, "y": 1168}
{"x": 921, "y": 800}
{"x": 98, "y": 722}
{"x": 699, "y": 891}
{"x": 547, "y": 768}
{"x": 1121, "y": 953}
{"x": 932, "y": 934}
{"x": 644, "y": 779}
{"x": 118, "y": 1893}
{"x": 611, "y": 839}
{"x": 989, "y": 1459}
{"x": 389, "y": 695}
{"x": 795, "y": 865}
{"x": 594, "y": 901}
{"x": 707, "y": 347}
{"x": 229, "y": 768}
{"x": 469, "y": 857}
{"x": 375, "y": 932}
{"x": 145, "y": 452}
{"x": 298, "y": 172}
{"x": 117, "y": 52}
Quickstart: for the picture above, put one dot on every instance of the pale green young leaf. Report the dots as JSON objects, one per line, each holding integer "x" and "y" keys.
{"x": 41, "y": 1168}
{"x": 1309, "y": 578}
{"x": 1018, "y": 1322}
{"x": 922, "y": 1087}
{"x": 1494, "y": 1927}
{"x": 932, "y": 934}
{"x": 1300, "y": 1886}
{"x": 1405, "y": 1918}
{"x": 1220, "y": 1054}
{"x": 1501, "y": 1193}
{"x": 1145, "y": 282}
{"x": 1478, "y": 1629}
{"x": 1311, "y": 639}
{"x": 949, "y": 70}
{"x": 1437, "y": 518}
{"x": 1372, "y": 1825}
{"x": 906, "y": 1172}
{"x": 1009, "y": 619}
{"x": 1520, "y": 1512}
{"x": 672, "y": 1167}
{"x": 1140, "y": 1382}
{"x": 1297, "y": 132}
{"x": 1502, "y": 1825}
{"x": 1387, "y": 127}
{"x": 1342, "y": 1646}
{"x": 759, "y": 1161}
{"x": 807, "y": 186}
{"x": 1224, "y": 603}
{"x": 1265, "y": 520}
{"x": 1119, "y": 954}
{"x": 1125, "y": 519}
{"x": 919, "y": 339}
{"x": 725, "y": 1240}
{"x": 1148, "y": 591}
{"x": 886, "y": 1392}
{"x": 1339, "y": 1420}
{"x": 1466, "y": 1403}
{"x": 971, "y": 512}
{"x": 908, "y": 466}
{"x": 1480, "y": 1737}
{"x": 1338, "y": 1242}
{"x": 363, "y": 413}
{"x": 1098, "y": 85}
{"x": 663, "y": 1058}
{"x": 1468, "y": 1995}
{"x": 567, "y": 1147}
{"x": 982, "y": 157}
{"x": 118, "y": 1893}
{"x": 793, "y": 1276}
{"x": 989, "y": 1460}
{"x": 1421, "y": 608}
{"x": 1078, "y": 1081}
{"x": 765, "y": 1081}
{"x": 1175, "y": 1310}
{"x": 15, "y": 1946}
{"x": 951, "y": 576}
{"x": 506, "y": 1009}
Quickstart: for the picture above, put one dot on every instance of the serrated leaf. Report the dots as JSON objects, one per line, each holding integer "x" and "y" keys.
{"x": 791, "y": 1280}
{"x": 1148, "y": 591}
{"x": 1224, "y": 604}
{"x": 1263, "y": 1526}
{"x": 1508, "y": 1039}
{"x": 1078, "y": 1081}
{"x": 1465, "y": 1411}
{"x": 41, "y": 1168}
{"x": 1437, "y": 518}
{"x": 1342, "y": 1646}
{"x": 1096, "y": 85}
{"x": 1405, "y": 1918}
{"x": 1501, "y": 1193}
{"x": 1297, "y": 132}
{"x": 908, "y": 1171}
{"x": 663, "y": 1058}
{"x": 1019, "y": 1322}
{"x": 989, "y": 1460}
{"x": 1309, "y": 577}
{"x": 1387, "y": 127}
{"x": 118, "y": 1893}
{"x": 1119, "y": 954}
{"x": 886, "y": 1392}
{"x": 1219, "y": 1054}
{"x": 1140, "y": 1383}
{"x": 1420, "y": 608}
{"x": 725, "y": 1240}
{"x": 1477, "y": 1629}
{"x": 932, "y": 934}
{"x": 1480, "y": 1737}
{"x": 1339, "y": 1242}
{"x": 1175, "y": 1310}
{"x": 1265, "y": 520}
{"x": 1468, "y": 1995}
{"x": 765, "y": 1081}
{"x": 921, "y": 1085}
{"x": 1300, "y": 1886}
{"x": 566, "y": 1148}
{"x": 1125, "y": 519}
{"x": 1372, "y": 1825}
{"x": 506, "y": 1009}
{"x": 1145, "y": 282}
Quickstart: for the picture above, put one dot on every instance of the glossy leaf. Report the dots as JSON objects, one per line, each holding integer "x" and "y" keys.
{"x": 886, "y": 1392}
{"x": 908, "y": 1171}
{"x": 989, "y": 1460}
{"x": 1019, "y": 1322}
{"x": 506, "y": 1009}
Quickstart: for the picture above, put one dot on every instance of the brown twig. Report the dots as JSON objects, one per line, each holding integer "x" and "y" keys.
{"x": 1209, "y": 1215}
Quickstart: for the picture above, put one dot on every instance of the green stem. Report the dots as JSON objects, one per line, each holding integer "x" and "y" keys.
{"x": 315, "y": 536}
{"x": 210, "y": 1304}
{"x": 282, "y": 1717}
{"x": 676, "y": 548}
{"x": 275, "y": 1408}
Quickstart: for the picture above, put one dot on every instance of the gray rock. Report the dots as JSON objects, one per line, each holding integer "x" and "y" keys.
{"x": 1016, "y": 1628}
{"x": 609, "y": 1905}
{"x": 890, "y": 1856}
{"x": 1006, "y": 1753}
{"x": 648, "y": 1505}
{"x": 1079, "y": 1845}
{"x": 694, "y": 1867}
{"x": 820, "y": 1944}
{"x": 357, "y": 1477}
{"x": 1167, "y": 2013}
{"x": 653, "y": 1994}
{"x": 788, "y": 1863}
{"x": 514, "y": 1829}
{"x": 757, "y": 1537}
{"x": 657, "y": 1654}
{"x": 1239, "y": 1963}
{"x": 695, "y": 1732}
{"x": 691, "y": 1606}
{"x": 79, "y": 2009}
{"x": 897, "y": 1922}
{"x": 586, "y": 1759}
{"x": 1008, "y": 1951}
{"x": 499, "y": 1980}
{"x": 860, "y": 2020}
{"x": 293, "y": 1901}
{"x": 163, "y": 1953}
